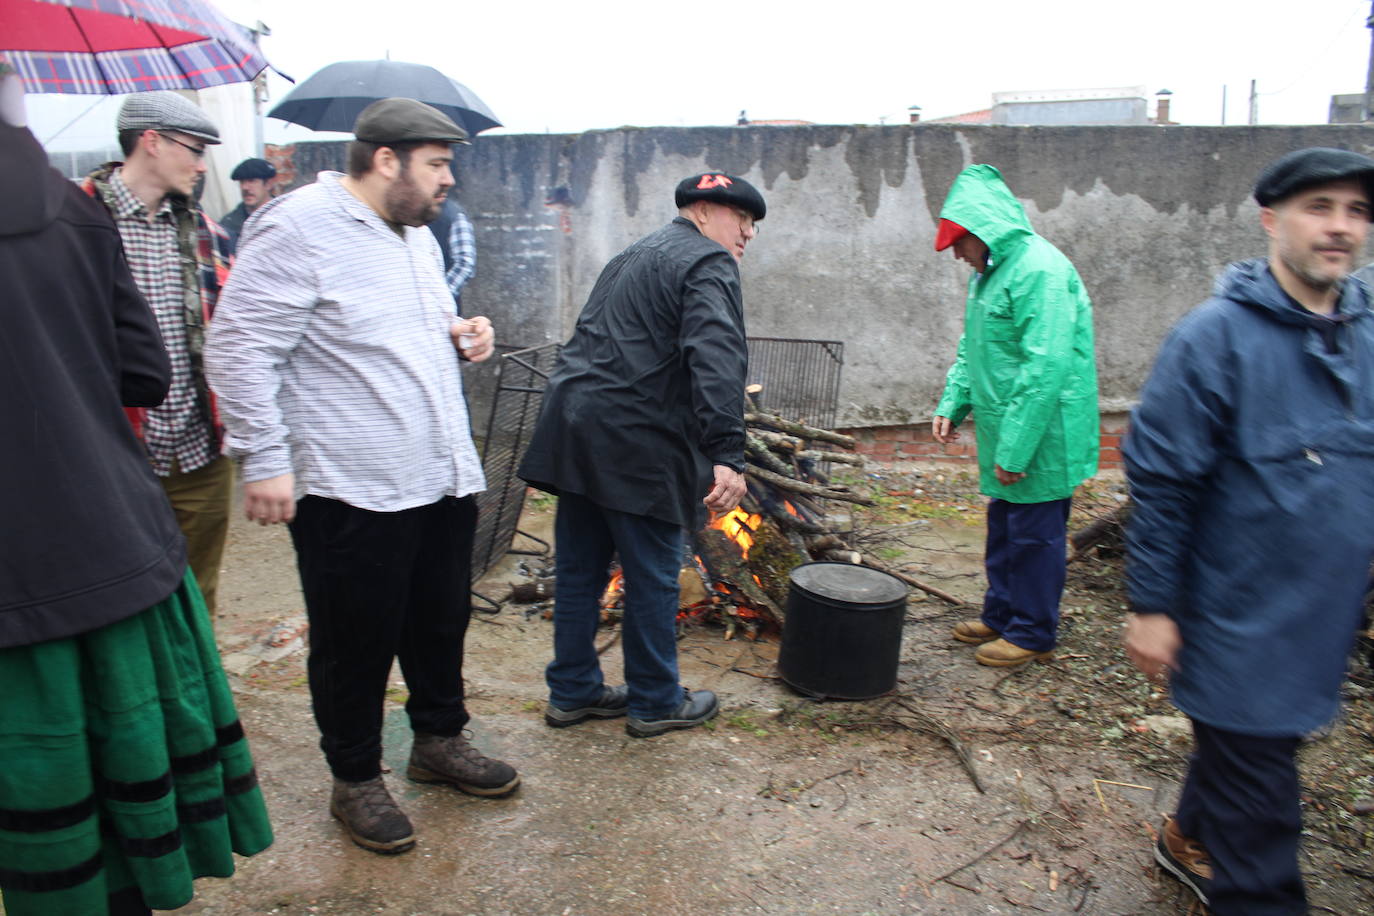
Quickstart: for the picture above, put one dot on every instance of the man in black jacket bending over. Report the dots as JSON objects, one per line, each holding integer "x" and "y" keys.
{"x": 642, "y": 431}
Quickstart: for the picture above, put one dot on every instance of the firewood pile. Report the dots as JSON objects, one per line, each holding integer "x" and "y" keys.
{"x": 736, "y": 569}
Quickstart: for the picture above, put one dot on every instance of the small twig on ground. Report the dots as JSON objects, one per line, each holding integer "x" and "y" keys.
{"x": 615, "y": 638}
{"x": 985, "y": 853}
{"x": 932, "y": 725}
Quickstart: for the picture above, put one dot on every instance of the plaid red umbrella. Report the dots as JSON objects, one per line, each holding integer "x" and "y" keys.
{"x": 118, "y": 46}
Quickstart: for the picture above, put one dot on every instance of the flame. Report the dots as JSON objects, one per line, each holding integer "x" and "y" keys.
{"x": 614, "y": 589}
{"x": 739, "y": 526}
{"x": 790, "y": 508}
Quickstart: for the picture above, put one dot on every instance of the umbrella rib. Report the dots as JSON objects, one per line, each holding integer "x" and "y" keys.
{"x": 95, "y": 55}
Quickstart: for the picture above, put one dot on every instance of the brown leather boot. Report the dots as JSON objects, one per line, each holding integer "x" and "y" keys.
{"x": 974, "y": 632}
{"x": 454, "y": 761}
{"x": 1002, "y": 654}
{"x": 372, "y": 818}
{"x": 1185, "y": 859}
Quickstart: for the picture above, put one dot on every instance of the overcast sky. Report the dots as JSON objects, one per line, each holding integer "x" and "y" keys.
{"x": 568, "y": 67}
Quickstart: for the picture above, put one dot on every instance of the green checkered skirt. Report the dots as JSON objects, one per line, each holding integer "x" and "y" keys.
{"x": 122, "y": 764}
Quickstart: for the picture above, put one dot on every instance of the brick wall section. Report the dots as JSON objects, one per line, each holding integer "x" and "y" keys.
{"x": 915, "y": 443}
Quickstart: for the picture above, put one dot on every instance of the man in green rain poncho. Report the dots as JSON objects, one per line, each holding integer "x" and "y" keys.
{"x": 1025, "y": 370}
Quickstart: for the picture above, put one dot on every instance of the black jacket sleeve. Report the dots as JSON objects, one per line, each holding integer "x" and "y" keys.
{"x": 716, "y": 355}
{"x": 145, "y": 371}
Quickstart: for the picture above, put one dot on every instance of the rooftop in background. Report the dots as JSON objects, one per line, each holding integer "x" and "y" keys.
{"x": 1118, "y": 105}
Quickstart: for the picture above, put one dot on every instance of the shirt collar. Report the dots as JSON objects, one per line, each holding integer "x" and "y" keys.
{"x": 126, "y": 202}
{"x": 333, "y": 184}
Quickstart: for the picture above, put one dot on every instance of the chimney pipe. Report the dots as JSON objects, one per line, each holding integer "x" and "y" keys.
{"x": 1162, "y": 107}
{"x": 914, "y": 112}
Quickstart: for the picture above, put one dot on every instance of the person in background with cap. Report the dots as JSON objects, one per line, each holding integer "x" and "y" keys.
{"x": 1026, "y": 370}
{"x": 642, "y": 431}
{"x": 179, "y": 259}
{"x": 1251, "y": 461}
{"x": 255, "y": 185}
{"x": 336, "y": 359}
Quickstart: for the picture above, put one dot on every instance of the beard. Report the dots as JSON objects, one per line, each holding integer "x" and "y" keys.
{"x": 1311, "y": 272}
{"x": 408, "y": 205}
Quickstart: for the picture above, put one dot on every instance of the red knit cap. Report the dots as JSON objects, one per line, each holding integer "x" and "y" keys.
{"x": 948, "y": 233}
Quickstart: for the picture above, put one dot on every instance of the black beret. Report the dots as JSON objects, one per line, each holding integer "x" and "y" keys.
{"x": 249, "y": 169}
{"x": 406, "y": 121}
{"x": 721, "y": 188}
{"x": 1307, "y": 168}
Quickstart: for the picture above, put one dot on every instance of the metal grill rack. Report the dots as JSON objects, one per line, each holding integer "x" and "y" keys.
{"x": 514, "y": 410}
{"x": 800, "y": 378}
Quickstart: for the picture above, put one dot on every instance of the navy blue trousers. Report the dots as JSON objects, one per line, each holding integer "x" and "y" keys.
{"x": 1025, "y": 565}
{"x": 1241, "y": 802}
{"x": 650, "y": 550}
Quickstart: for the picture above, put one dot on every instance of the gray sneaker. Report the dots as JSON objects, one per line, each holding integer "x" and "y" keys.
{"x": 614, "y": 701}
{"x": 373, "y": 820}
{"x": 453, "y": 760}
{"x": 697, "y": 706}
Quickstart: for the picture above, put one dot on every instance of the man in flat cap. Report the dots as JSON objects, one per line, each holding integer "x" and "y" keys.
{"x": 642, "y": 432}
{"x": 178, "y": 258}
{"x": 255, "y": 184}
{"x": 1025, "y": 369}
{"x": 336, "y": 358}
{"x": 1251, "y": 460}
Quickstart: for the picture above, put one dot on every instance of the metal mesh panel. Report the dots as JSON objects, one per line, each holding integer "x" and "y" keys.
{"x": 800, "y": 378}
{"x": 514, "y": 410}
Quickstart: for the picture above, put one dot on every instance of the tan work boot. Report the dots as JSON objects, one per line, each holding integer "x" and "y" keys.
{"x": 1002, "y": 654}
{"x": 454, "y": 761}
{"x": 1185, "y": 859}
{"x": 974, "y": 632}
{"x": 372, "y": 818}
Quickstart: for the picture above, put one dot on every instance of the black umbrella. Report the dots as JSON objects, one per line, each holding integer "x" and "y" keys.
{"x": 333, "y": 97}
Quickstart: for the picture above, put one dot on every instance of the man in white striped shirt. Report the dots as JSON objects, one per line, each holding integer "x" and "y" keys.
{"x": 335, "y": 356}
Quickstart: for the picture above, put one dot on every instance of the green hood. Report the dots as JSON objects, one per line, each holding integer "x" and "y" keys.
{"x": 981, "y": 202}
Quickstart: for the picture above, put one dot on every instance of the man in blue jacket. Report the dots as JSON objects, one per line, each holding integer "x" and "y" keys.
{"x": 1251, "y": 460}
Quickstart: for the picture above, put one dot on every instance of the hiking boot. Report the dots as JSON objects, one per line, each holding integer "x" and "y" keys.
{"x": 614, "y": 701}
{"x": 1002, "y": 654}
{"x": 1185, "y": 859}
{"x": 373, "y": 820}
{"x": 455, "y": 761}
{"x": 697, "y": 706}
{"x": 974, "y": 632}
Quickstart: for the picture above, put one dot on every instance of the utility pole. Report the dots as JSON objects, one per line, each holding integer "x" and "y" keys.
{"x": 1254, "y": 103}
{"x": 1223, "y": 105}
{"x": 1369, "y": 77}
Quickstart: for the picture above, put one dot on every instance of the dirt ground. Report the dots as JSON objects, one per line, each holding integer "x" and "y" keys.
{"x": 785, "y": 805}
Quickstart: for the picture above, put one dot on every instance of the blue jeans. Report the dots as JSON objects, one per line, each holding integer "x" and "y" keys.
{"x": 587, "y": 536}
{"x": 1026, "y": 568}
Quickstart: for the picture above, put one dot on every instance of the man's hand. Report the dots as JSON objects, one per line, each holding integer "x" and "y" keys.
{"x": 727, "y": 491}
{"x": 1007, "y": 478}
{"x": 1152, "y": 641}
{"x": 270, "y": 501}
{"x": 943, "y": 430}
{"x": 474, "y": 338}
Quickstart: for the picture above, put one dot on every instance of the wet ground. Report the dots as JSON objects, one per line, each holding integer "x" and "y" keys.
{"x": 784, "y": 806}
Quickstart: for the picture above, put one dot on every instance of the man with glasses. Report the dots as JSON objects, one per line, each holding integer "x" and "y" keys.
{"x": 642, "y": 431}
{"x": 177, "y": 257}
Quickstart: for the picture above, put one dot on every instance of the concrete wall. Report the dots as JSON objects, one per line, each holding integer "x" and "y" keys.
{"x": 1149, "y": 215}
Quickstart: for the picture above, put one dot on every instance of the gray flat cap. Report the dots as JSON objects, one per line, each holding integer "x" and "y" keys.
{"x": 406, "y": 121}
{"x": 166, "y": 110}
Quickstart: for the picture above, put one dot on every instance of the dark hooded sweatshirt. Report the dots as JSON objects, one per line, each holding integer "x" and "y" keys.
{"x": 1251, "y": 460}
{"x": 649, "y": 392}
{"x": 88, "y": 536}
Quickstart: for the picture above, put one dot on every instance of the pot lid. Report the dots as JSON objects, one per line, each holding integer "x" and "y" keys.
{"x": 849, "y": 583}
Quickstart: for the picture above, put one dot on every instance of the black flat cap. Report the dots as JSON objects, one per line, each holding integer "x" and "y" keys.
{"x": 406, "y": 121}
{"x": 1307, "y": 168}
{"x": 249, "y": 169}
{"x": 721, "y": 188}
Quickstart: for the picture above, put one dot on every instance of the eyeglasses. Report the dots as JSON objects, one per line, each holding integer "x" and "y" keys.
{"x": 746, "y": 221}
{"x": 197, "y": 151}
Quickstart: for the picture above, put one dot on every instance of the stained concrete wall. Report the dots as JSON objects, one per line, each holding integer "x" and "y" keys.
{"x": 1149, "y": 215}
